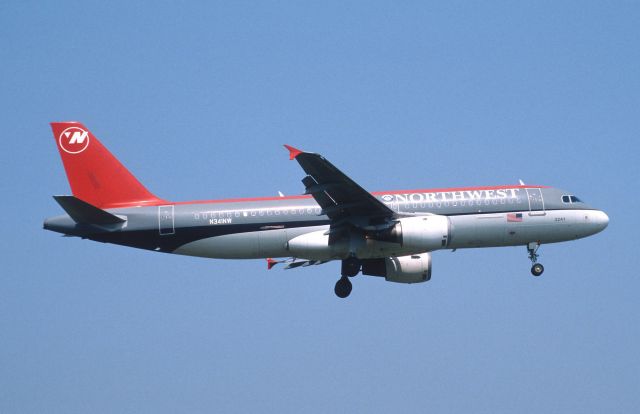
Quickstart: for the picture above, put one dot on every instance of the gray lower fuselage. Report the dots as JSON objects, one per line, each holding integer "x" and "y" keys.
{"x": 261, "y": 228}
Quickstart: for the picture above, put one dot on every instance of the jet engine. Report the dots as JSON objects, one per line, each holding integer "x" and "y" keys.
{"x": 410, "y": 235}
{"x": 418, "y": 234}
{"x": 403, "y": 269}
{"x": 315, "y": 246}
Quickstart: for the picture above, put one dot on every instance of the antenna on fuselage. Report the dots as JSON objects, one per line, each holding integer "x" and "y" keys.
{"x": 280, "y": 194}
{"x": 521, "y": 182}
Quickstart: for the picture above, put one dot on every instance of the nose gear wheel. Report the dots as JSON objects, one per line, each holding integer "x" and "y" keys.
{"x": 536, "y": 268}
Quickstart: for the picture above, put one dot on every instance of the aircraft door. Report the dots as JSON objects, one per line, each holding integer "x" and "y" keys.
{"x": 166, "y": 220}
{"x": 536, "y": 202}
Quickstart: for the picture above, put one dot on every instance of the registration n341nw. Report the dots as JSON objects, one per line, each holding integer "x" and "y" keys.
{"x": 389, "y": 234}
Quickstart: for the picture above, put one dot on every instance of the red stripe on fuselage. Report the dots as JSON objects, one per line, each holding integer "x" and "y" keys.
{"x": 448, "y": 190}
{"x": 375, "y": 193}
{"x": 242, "y": 200}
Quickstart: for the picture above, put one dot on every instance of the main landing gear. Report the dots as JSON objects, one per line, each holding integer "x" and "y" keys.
{"x": 343, "y": 287}
{"x": 350, "y": 268}
{"x": 536, "y": 268}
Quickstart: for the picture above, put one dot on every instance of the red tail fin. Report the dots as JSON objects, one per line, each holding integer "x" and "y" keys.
{"x": 95, "y": 175}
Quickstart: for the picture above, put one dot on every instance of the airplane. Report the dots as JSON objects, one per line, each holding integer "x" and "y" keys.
{"x": 388, "y": 234}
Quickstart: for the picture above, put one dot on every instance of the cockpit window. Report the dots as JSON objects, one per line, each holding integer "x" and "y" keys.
{"x": 570, "y": 199}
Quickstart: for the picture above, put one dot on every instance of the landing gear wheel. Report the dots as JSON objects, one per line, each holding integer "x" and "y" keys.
{"x": 537, "y": 269}
{"x": 343, "y": 287}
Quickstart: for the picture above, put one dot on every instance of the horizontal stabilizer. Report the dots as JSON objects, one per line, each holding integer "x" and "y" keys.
{"x": 83, "y": 212}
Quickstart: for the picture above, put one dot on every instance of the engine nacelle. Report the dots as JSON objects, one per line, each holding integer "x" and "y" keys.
{"x": 410, "y": 235}
{"x": 403, "y": 269}
{"x": 419, "y": 234}
{"x": 315, "y": 246}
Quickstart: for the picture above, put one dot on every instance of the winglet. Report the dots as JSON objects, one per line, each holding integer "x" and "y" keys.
{"x": 271, "y": 263}
{"x": 293, "y": 152}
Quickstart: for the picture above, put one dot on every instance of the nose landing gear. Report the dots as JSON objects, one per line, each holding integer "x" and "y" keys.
{"x": 537, "y": 268}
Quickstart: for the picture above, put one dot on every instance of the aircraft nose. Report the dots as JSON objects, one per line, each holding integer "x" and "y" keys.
{"x": 600, "y": 219}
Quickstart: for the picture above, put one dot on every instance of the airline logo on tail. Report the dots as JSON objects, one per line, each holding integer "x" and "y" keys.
{"x": 74, "y": 140}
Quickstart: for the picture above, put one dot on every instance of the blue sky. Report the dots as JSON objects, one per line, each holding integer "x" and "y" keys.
{"x": 196, "y": 99}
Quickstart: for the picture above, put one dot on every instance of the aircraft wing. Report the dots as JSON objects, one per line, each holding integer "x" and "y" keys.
{"x": 340, "y": 198}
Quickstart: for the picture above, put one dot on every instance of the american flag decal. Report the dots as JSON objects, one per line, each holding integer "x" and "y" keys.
{"x": 514, "y": 217}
